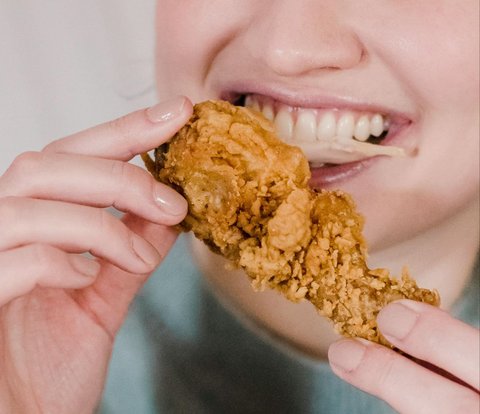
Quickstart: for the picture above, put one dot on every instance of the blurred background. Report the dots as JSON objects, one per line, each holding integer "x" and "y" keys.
{"x": 67, "y": 65}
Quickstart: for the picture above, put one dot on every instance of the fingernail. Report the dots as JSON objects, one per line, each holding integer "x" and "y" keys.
{"x": 396, "y": 320}
{"x": 167, "y": 110}
{"x": 169, "y": 201}
{"x": 346, "y": 354}
{"x": 85, "y": 266}
{"x": 145, "y": 251}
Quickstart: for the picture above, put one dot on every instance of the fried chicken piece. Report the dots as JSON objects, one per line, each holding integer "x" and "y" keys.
{"x": 249, "y": 200}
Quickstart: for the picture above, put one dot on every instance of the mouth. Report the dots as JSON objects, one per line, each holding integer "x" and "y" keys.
{"x": 330, "y": 136}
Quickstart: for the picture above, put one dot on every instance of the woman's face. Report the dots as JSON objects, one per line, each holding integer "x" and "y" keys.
{"x": 409, "y": 67}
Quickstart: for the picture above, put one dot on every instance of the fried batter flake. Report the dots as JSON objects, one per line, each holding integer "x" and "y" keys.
{"x": 249, "y": 200}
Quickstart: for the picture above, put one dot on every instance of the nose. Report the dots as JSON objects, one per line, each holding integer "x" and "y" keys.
{"x": 295, "y": 37}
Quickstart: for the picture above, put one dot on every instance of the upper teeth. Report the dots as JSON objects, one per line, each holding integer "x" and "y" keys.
{"x": 333, "y": 131}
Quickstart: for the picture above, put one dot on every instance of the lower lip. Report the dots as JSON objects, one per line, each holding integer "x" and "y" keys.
{"x": 332, "y": 175}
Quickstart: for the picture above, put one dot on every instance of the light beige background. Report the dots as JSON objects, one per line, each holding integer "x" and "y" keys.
{"x": 66, "y": 65}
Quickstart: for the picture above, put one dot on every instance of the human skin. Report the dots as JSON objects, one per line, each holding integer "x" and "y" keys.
{"x": 416, "y": 59}
{"x": 55, "y": 345}
{"x": 60, "y": 311}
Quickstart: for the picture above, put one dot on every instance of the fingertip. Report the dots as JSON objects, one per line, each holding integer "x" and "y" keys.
{"x": 170, "y": 202}
{"x": 170, "y": 109}
{"x": 173, "y": 220}
{"x": 86, "y": 267}
{"x": 402, "y": 312}
{"x": 147, "y": 255}
{"x": 161, "y": 236}
{"x": 396, "y": 321}
{"x": 128, "y": 135}
{"x": 188, "y": 106}
{"x": 347, "y": 354}
{"x": 416, "y": 305}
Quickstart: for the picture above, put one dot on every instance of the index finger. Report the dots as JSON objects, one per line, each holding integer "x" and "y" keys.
{"x": 432, "y": 335}
{"x": 132, "y": 134}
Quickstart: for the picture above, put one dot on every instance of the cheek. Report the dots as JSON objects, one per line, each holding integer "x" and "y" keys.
{"x": 431, "y": 46}
{"x": 448, "y": 78}
{"x": 407, "y": 196}
{"x": 436, "y": 59}
{"x": 178, "y": 61}
{"x": 189, "y": 35}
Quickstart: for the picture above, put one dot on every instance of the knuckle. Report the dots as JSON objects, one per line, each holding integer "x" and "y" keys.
{"x": 18, "y": 177}
{"x": 122, "y": 127}
{"x": 128, "y": 178}
{"x": 43, "y": 255}
{"x": 103, "y": 220}
{"x": 108, "y": 225}
{"x": 27, "y": 160}
{"x": 427, "y": 331}
{"x": 52, "y": 146}
{"x": 9, "y": 211}
{"x": 129, "y": 175}
{"x": 387, "y": 372}
{"x": 120, "y": 171}
{"x": 120, "y": 174}
{"x": 26, "y": 163}
{"x": 127, "y": 131}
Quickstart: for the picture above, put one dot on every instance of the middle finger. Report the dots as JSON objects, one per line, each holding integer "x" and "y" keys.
{"x": 95, "y": 182}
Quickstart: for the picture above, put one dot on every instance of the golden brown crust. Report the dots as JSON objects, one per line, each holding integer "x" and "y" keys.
{"x": 249, "y": 200}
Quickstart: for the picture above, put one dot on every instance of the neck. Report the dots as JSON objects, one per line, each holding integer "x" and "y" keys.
{"x": 441, "y": 258}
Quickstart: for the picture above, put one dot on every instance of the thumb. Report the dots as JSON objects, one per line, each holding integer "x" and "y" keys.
{"x": 109, "y": 297}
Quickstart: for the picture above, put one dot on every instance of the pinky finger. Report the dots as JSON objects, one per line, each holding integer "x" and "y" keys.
{"x": 24, "y": 268}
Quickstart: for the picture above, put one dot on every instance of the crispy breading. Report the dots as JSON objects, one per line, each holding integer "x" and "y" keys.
{"x": 249, "y": 200}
